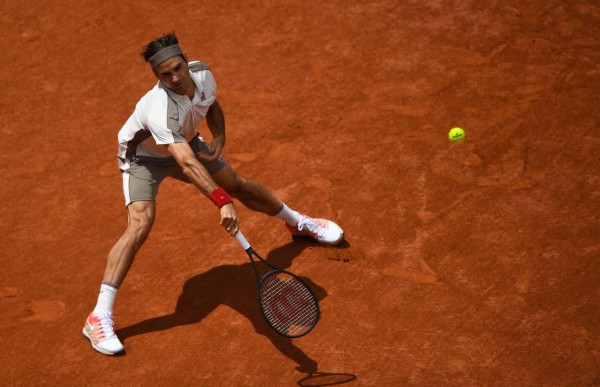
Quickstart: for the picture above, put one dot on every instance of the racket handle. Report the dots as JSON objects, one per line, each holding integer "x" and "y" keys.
{"x": 242, "y": 240}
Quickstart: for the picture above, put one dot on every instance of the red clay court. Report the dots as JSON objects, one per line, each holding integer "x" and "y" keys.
{"x": 469, "y": 264}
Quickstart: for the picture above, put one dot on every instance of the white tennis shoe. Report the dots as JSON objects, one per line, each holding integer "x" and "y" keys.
{"x": 322, "y": 230}
{"x": 99, "y": 330}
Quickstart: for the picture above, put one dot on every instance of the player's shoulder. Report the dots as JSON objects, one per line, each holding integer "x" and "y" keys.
{"x": 158, "y": 92}
{"x": 155, "y": 98}
{"x": 197, "y": 65}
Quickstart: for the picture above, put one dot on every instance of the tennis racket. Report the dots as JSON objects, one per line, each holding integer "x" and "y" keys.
{"x": 286, "y": 301}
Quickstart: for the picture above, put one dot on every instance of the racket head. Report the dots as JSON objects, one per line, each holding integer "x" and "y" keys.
{"x": 287, "y": 303}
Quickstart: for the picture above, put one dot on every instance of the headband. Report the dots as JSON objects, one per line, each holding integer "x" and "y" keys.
{"x": 164, "y": 54}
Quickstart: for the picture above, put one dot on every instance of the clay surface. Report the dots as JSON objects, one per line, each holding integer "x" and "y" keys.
{"x": 474, "y": 263}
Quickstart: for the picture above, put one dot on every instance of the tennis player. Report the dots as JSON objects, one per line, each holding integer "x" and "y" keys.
{"x": 160, "y": 140}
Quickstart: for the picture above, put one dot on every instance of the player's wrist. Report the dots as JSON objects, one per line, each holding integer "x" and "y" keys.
{"x": 219, "y": 197}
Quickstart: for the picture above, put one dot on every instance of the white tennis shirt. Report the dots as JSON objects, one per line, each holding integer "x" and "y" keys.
{"x": 163, "y": 117}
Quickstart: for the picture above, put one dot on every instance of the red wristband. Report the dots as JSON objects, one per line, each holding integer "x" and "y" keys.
{"x": 220, "y": 197}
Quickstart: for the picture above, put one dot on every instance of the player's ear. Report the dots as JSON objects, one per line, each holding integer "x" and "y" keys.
{"x": 185, "y": 57}
{"x": 155, "y": 73}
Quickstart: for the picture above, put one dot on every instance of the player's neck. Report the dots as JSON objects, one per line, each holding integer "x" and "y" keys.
{"x": 191, "y": 91}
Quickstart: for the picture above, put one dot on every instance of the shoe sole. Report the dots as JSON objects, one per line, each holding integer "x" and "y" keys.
{"x": 316, "y": 240}
{"x": 102, "y": 351}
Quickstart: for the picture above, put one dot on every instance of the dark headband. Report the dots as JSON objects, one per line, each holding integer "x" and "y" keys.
{"x": 164, "y": 54}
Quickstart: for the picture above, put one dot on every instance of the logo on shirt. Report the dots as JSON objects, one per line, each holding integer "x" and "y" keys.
{"x": 202, "y": 97}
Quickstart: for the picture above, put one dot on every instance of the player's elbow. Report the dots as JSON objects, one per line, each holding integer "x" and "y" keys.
{"x": 184, "y": 156}
{"x": 188, "y": 166}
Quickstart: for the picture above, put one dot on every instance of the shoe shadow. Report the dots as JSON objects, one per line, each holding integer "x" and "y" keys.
{"x": 235, "y": 287}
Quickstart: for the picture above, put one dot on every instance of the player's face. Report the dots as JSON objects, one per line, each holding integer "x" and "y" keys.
{"x": 174, "y": 73}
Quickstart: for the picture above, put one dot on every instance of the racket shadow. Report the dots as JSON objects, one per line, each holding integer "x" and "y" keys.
{"x": 233, "y": 286}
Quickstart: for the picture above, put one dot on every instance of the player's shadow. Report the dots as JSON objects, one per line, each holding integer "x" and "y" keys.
{"x": 233, "y": 286}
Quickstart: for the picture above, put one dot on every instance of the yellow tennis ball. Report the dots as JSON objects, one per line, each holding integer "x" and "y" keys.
{"x": 456, "y": 134}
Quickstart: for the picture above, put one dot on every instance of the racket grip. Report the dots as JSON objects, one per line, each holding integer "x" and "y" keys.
{"x": 242, "y": 240}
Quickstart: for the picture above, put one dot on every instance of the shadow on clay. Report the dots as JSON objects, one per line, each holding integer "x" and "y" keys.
{"x": 234, "y": 286}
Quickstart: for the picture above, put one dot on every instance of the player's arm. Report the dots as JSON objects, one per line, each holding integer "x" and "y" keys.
{"x": 199, "y": 176}
{"x": 215, "y": 120}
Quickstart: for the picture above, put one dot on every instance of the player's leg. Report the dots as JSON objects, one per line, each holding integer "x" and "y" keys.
{"x": 140, "y": 186}
{"x": 256, "y": 197}
{"x": 140, "y": 218}
{"x": 99, "y": 325}
{"x": 252, "y": 194}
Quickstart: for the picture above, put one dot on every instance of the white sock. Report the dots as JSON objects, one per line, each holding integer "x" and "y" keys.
{"x": 288, "y": 215}
{"x": 106, "y": 299}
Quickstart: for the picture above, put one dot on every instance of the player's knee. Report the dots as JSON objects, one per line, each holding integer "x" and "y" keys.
{"x": 239, "y": 188}
{"x": 141, "y": 225}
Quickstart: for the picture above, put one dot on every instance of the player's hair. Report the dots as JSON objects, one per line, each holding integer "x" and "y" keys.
{"x": 158, "y": 44}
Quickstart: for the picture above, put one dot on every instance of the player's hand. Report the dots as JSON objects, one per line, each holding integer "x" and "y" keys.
{"x": 216, "y": 147}
{"x": 230, "y": 219}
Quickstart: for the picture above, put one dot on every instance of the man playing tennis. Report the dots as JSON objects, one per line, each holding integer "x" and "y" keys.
{"x": 160, "y": 140}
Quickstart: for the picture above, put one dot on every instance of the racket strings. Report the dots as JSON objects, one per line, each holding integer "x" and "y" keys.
{"x": 288, "y": 304}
